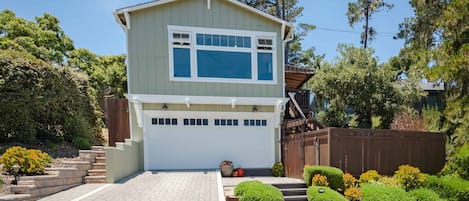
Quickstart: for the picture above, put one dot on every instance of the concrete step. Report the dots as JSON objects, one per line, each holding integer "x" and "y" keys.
{"x": 95, "y": 179}
{"x": 100, "y": 159}
{"x": 290, "y": 185}
{"x": 97, "y": 148}
{"x": 97, "y": 172}
{"x": 295, "y": 198}
{"x": 294, "y": 191}
{"x": 39, "y": 192}
{"x": 95, "y": 166}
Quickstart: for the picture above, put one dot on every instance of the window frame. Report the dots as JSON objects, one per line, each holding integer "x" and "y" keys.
{"x": 193, "y": 31}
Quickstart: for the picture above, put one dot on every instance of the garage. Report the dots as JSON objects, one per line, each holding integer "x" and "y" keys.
{"x": 201, "y": 140}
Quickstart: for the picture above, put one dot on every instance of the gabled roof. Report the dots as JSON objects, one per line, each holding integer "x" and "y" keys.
{"x": 120, "y": 13}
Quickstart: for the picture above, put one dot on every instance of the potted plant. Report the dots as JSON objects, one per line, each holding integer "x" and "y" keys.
{"x": 240, "y": 172}
{"x": 226, "y": 168}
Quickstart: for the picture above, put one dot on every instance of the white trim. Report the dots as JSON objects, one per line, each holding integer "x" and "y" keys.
{"x": 254, "y": 35}
{"x": 221, "y": 193}
{"x": 236, "y": 2}
{"x": 208, "y": 4}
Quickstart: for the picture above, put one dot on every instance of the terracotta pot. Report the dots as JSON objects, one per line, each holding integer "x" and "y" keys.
{"x": 240, "y": 172}
{"x": 226, "y": 170}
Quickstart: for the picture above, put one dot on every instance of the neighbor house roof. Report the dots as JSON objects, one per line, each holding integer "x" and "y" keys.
{"x": 295, "y": 76}
{"x": 121, "y": 13}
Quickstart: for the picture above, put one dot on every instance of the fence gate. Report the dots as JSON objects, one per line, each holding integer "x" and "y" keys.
{"x": 117, "y": 112}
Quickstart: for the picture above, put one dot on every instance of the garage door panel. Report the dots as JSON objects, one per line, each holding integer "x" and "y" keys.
{"x": 198, "y": 147}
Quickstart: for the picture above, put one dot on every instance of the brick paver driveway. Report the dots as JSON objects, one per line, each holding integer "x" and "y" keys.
{"x": 157, "y": 185}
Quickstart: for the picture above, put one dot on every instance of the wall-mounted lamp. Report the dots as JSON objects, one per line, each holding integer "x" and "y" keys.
{"x": 164, "y": 107}
{"x": 254, "y": 109}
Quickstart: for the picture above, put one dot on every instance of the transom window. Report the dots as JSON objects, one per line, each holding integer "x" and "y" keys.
{"x": 219, "y": 55}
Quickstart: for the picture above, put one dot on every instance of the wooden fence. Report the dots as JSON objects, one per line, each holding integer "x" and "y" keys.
{"x": 359, "y": 150}
{"x": 117, "y": 120}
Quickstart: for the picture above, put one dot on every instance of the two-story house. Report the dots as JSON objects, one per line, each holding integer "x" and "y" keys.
{"x": 205, "y": 83}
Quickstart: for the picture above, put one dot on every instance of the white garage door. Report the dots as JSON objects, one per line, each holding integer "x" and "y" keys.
{"x": 200, "y": 140}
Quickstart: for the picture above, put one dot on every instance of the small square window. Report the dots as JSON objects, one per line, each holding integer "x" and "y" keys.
{"x": 200, "y": 39}
{"x": 239, "y": 41}
{"x": 258, "y": 122}
{"x": 264, "y": 122}
{"x": 192, "y": 122}
{"x": 231, "y": 41}
{"x": 168, "y": 121}
{"x": 154, "y": 121}
{"x": 205, "y": 122}
{"x": 208, "y": 39}
{"x": 246, "y": 122}
{"x": 224, "y": 40}
{"x": 217, "y": 122}
{"x": 216, "y": 40}
{"x": 235, "y": 122}
{"x": 252, "y": 122}
{"x": 199, "y": 122}
{"x": 229, "y": 122}
{"x": 174, "y": 121}
{"x": 186, "y": 122}
{"x": 161, "y": 121}
{"x": 223, "y": 122}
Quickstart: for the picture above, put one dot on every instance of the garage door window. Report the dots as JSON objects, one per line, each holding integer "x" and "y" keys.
{"x": 226, "y": 122}
{"x": 164, "y": 121}
{"x": 255, "y": 122}
{"x": 195, "y": 122}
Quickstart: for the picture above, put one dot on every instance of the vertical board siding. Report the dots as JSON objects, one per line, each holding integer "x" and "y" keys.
{"x": 118, "y": 120}
{"x": 358, "y": 150}
{"x": 148, "y": 48}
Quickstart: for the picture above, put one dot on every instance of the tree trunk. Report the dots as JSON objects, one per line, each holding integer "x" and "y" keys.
{"x": 367, "y": 12}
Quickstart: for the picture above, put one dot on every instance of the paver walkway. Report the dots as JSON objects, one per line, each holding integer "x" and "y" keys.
{"x": 157, "y": 185}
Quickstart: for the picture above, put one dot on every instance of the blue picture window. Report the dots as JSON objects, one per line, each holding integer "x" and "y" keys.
{"x": 222, "y": 64}
{"x": 182, "y": 62}
{"x": 264, "y": 66}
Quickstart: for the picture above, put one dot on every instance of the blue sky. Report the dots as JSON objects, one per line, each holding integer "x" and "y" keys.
{"x": 91, "y": 25}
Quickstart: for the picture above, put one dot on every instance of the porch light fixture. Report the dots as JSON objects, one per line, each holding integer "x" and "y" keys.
{"x": 164, "y": 107}
{"x": 254, "y": 109}
{"x": 16, "y": 169}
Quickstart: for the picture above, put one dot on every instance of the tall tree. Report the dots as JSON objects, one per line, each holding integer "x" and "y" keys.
{"x": 437, "y": 44}
{"x": 362, "y": 10}
{"x": 43, "y": 38}
{"x": 356, "y": 80}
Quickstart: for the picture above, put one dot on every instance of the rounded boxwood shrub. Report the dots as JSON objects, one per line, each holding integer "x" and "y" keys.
{"x": 334, "y": 175}
{"x": 369, "y": 176}
{"x": 424, "y": 194}
{"x": 31, "y": 161}
{"x": 409, "y": 177}
{"x": 375, "y": 192}
{"x": 257, "y": 191}
{"x": 450, "y": 188}
{"x": 328, "y": 194}
{"x": 277, "y": 169}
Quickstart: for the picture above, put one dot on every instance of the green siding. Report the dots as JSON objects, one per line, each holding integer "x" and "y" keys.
{"x": 148, "y": 48}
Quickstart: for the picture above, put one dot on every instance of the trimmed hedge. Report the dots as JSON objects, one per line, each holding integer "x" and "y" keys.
{"x": 375, "y": 192}
{"x": 327, "y": 195}
{"x": 450, "y": 188}
{"x": 257, "y": 191}
{"x": 334, "y": 175}
{"x": 424, "y": 194}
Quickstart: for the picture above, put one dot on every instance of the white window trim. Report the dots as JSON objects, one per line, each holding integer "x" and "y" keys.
{"x": 254, "y": 35}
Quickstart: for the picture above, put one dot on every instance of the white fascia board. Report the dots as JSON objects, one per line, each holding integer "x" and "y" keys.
{"x": 216, "y": 100}
{"x": 236, "y": 2}
{"x": 118, "y": 20}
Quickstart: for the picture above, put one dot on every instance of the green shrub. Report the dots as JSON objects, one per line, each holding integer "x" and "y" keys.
{"x": 353, "y": 194}
{"x": 257, "y": 191}
{"x": 375, "y": 192}
{"x": 319, "y": 180}
{"x": 334, "y": 175}
{"x": 277, "y": 169}
{"x": 424, "y": 194}
{"x": 31, "y": 161}
{"x": 450, "y": 188}
{"x": 328, "y": 194}
{"x": 388, "y": 181}
{"x": 409, "y": 177}
{"x": 459, "y": 163}
{"x": 369, "y": 176}
{"x": 349, "y": 180}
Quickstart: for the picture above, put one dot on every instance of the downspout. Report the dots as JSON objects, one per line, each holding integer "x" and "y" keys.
{"x": 285, "y": 40}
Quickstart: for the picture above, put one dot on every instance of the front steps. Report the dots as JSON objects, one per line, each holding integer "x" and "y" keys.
{"x": 293, "y": 191}
{"x": 97, "y": 158}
